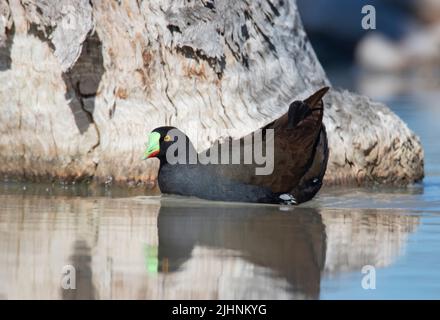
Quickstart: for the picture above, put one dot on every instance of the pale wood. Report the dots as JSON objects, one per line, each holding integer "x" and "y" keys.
{"x": 211, "y": 68}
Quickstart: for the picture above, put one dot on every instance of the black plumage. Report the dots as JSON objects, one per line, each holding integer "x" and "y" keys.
{"x": 300, "y": 161}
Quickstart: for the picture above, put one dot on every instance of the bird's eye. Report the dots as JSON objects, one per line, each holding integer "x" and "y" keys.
{"x": 167, "y": 138}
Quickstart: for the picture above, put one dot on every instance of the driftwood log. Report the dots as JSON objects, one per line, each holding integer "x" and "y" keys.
{"x": 82, "y": 82}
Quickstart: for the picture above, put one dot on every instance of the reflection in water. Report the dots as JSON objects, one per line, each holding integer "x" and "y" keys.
{"x": 152, "y": 248}
{"x": 81, "y": 261}
{"x": 286, "y": 246}
{"x": 357, "y": 238}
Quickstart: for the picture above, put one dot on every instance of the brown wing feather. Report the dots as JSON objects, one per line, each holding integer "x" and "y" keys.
{"x": 293, "y": 148}
{"x": 312, "y": 180}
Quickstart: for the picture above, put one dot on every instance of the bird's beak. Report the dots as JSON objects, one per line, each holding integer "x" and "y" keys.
{"x": 153, "y": 148}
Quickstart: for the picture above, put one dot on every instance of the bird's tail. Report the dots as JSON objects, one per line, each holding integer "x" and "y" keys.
{"x": 299, "y": 110}
{"x": 314, "y": 100}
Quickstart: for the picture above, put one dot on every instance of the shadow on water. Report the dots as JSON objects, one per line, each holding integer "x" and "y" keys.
{"x": 289, "y": 244}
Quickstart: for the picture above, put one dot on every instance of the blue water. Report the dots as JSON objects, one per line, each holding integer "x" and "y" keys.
{"x": 416, "y": 273}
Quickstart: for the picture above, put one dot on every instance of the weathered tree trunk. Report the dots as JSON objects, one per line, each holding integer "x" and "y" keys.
{"x": 82, "y": 82}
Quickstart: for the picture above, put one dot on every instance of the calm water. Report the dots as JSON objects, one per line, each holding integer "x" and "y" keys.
{"x": 165, "y": 247}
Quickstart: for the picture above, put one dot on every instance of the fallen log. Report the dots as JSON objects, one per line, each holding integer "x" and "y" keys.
{"x": 82, "y": 82}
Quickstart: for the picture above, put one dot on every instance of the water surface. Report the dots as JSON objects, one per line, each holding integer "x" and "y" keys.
{"x": 140, "y": 247}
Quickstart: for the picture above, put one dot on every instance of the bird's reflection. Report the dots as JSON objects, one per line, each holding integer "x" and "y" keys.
{"x": 289, "y": 244}
{"x": 202, "y": 250}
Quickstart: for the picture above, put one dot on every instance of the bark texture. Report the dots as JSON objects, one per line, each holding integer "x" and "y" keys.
{"x": 82, "y": 82}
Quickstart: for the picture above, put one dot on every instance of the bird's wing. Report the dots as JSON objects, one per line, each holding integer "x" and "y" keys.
{"x": 312, "y": 180}
{"x": 294, "y": 144}
{"x": 293, "y": 148}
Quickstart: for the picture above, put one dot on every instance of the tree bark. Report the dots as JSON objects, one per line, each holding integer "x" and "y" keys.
{"x": 82, "y": 82}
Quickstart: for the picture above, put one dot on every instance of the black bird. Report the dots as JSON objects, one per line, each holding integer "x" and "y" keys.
{"x": 292, "y": 246}
{"x": 300, "y": 160}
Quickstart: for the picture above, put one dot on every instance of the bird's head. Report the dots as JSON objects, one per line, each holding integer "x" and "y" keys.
{"x": 165, "y": 143}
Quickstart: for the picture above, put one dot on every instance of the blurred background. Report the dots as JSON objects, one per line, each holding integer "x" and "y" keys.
{"x": 400, "y": 57}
